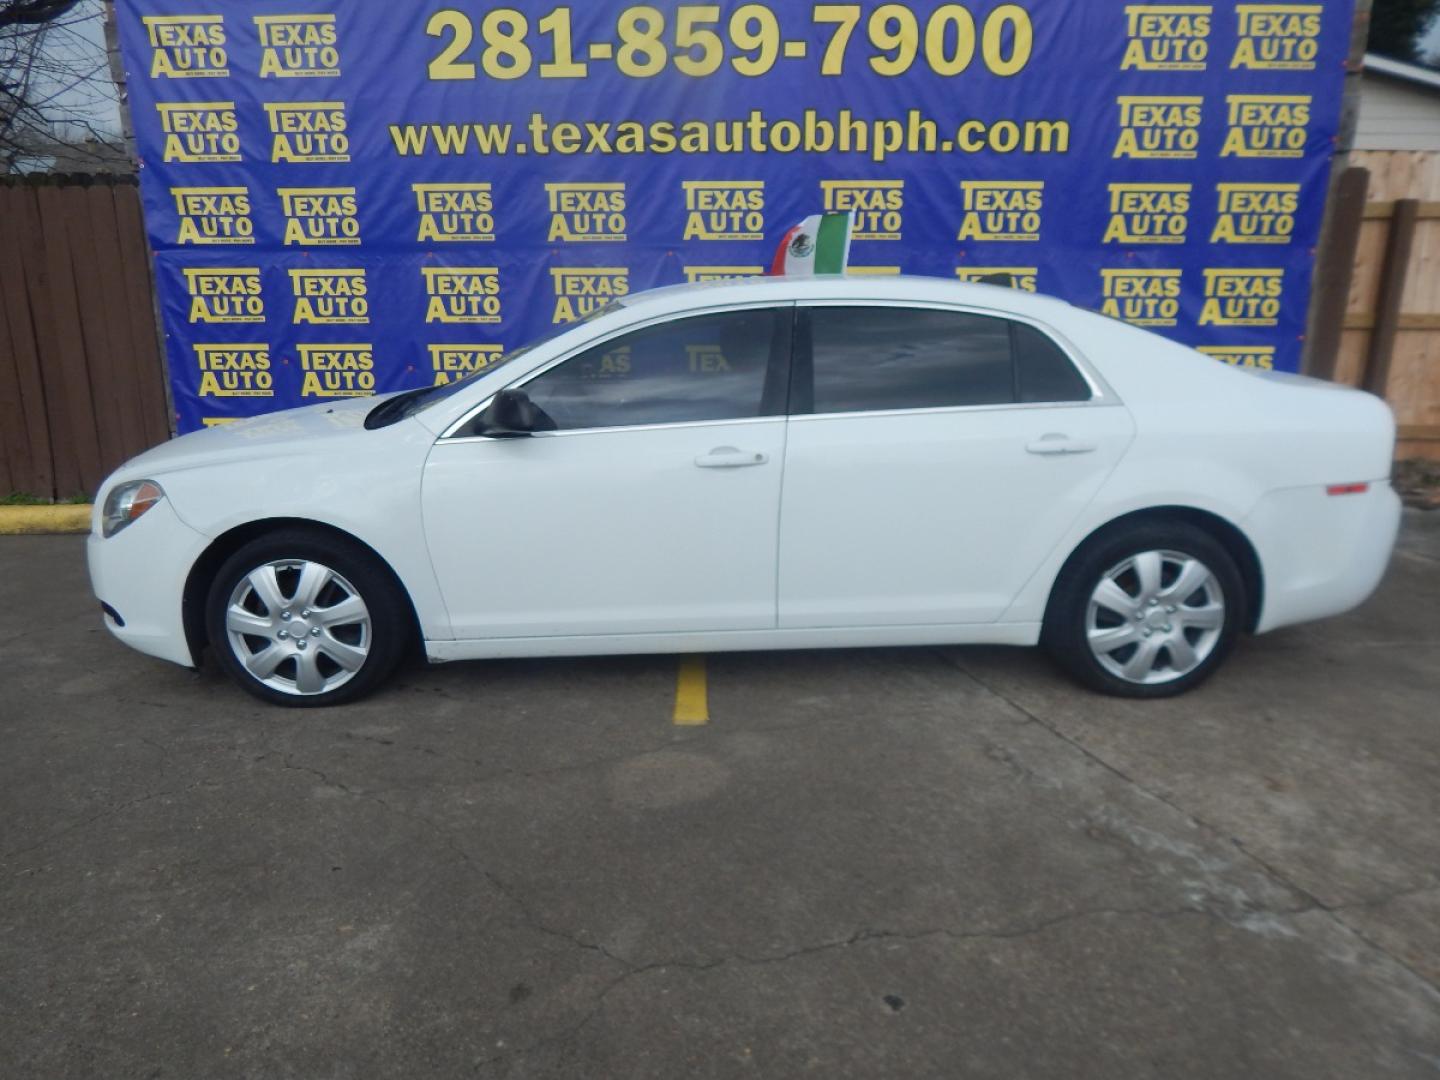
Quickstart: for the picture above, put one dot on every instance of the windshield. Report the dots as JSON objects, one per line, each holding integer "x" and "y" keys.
{"x": 413, "y": 401}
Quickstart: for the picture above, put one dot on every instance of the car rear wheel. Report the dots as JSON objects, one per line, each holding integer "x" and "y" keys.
{"x": 303, "y": 618}
{"x": 1148, "y": 610}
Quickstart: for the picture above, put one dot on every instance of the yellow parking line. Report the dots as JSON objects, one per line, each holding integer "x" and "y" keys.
{"x": 692, "y": 705}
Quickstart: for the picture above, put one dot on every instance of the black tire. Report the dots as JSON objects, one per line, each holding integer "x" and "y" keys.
{"x": 391, "y": 625}
{"x": 1066, "y": 631}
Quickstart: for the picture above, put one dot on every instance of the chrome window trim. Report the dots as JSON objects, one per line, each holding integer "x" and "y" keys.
{"x": 945, "y": 410}
{"x": 778, "y": 418}
{"x": 1101, "y": 392}
{"x": 591, "y": 343}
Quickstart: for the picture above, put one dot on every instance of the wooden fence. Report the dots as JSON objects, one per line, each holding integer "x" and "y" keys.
{"x": 1381, "y": 280}
{"x": 82, "y": 386}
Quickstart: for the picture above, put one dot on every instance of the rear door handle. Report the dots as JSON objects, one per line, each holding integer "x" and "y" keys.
{"x": 1056, "y": 444}
{"x": 729, "y": 457}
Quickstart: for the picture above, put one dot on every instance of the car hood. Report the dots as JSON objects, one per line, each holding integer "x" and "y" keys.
{"x": 257, "y": 437}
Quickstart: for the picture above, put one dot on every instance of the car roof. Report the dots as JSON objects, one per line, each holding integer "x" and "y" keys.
{"x": 892, "y": 287}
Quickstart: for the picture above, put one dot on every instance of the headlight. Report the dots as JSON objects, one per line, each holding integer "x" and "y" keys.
{"x": 128, "y": 503}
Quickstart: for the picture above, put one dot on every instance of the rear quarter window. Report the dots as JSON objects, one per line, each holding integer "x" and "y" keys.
{"x": 1042, "y": 370}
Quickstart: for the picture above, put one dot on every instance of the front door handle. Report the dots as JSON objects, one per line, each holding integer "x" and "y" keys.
{"x": 1056, "y": 444}
{"x": 728, "y": 457}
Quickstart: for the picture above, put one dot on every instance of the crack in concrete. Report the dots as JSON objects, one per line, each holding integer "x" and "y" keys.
{"x": 507, "y": 773}
{"x": 1403, "y": 893}
{"x": 117, "y": 808}
{"x": 164, "y": 754}
{"x": 111, "y": 811}
{"x": 442, "y": 834}
{"x": 1273, "y": 873}
{"x": 1334, "y": 911}
{"x": 863, "y": 936}
{"x": 682, "y": 737}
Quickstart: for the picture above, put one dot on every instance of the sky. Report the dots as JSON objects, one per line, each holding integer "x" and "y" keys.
{"x": 77, "y": 41}
{"x": 1430, "y": 41}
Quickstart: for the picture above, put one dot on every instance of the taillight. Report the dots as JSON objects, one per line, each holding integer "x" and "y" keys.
{"x": 1347, "y": 489}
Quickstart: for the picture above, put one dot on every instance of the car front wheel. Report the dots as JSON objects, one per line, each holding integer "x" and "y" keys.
{"x": 304, "y": 618}
{"x": 1150, "y": 610}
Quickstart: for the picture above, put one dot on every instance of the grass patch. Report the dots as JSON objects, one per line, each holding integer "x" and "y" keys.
{"x": 21, "y": 498}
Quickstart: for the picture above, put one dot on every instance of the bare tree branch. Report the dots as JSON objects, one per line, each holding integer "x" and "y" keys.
{"x": 58, "y": 101}
{"x": 33, "y": 11}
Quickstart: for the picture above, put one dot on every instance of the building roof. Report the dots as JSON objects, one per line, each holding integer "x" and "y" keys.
{"x": 1398, "y": 69}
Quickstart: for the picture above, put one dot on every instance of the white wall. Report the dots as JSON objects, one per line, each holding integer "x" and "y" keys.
{"x": 1395, "y": 115}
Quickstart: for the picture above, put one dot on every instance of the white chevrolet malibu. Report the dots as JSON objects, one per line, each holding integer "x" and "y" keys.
{"x": 779, "y": 463}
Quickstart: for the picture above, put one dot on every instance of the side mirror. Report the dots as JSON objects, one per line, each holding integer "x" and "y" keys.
{"x": 512, "y": 415}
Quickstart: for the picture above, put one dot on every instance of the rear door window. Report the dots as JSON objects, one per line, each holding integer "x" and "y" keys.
{"x": 879, "y": 358}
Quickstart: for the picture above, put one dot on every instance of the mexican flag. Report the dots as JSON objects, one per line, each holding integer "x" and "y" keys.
{"x": 818, "y": 245}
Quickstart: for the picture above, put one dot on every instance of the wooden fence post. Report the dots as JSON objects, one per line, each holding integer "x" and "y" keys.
{"x": 1392, "y": 289}
{"x": 1335, "y": 271}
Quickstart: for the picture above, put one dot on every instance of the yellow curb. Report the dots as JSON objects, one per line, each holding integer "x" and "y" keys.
{"x": 23, "y": 520}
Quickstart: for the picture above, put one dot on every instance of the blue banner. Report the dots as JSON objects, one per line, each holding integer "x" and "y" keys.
{"x": 352, "y": 198}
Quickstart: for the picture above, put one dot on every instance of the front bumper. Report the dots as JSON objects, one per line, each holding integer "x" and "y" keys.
{"x": 1321, "y": 554}
{"x": 140, "y": 573}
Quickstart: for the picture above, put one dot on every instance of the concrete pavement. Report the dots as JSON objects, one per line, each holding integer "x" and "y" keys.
{"x": 869, "y": 863}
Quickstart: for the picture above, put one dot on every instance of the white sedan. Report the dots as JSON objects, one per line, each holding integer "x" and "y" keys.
{"x": 778, "y": 463}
